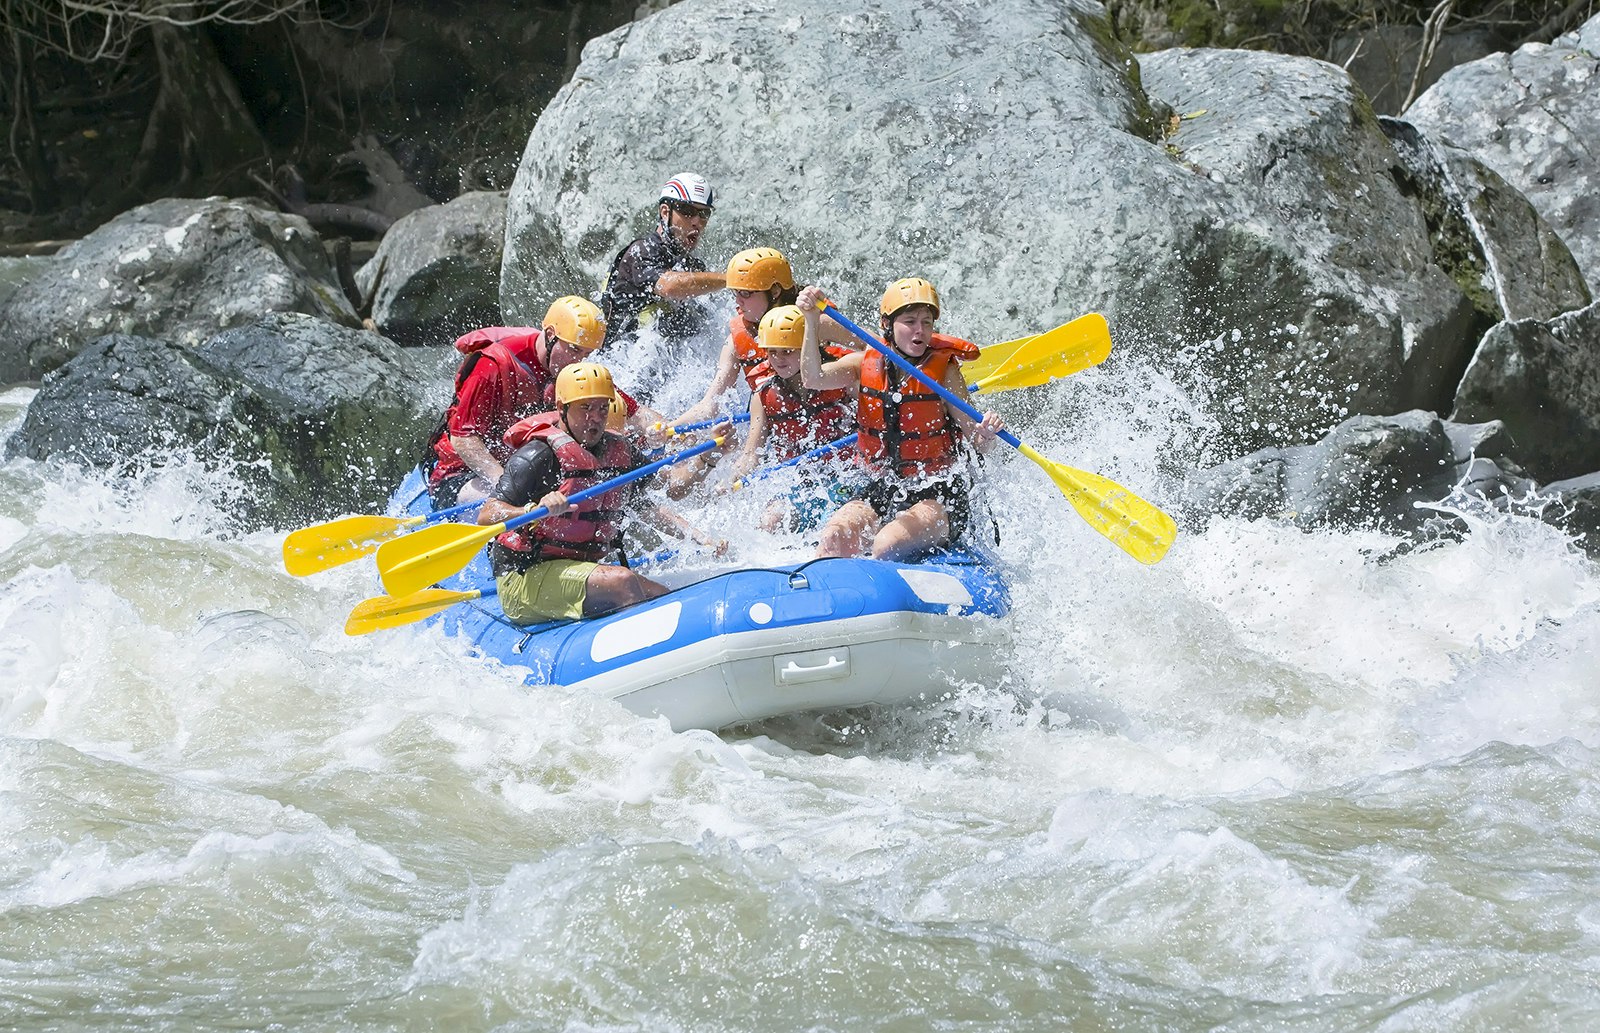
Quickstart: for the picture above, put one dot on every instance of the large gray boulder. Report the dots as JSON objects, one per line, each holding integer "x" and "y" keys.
{"x": 437, "y": 273}
{"x": 123, "y": 398}
{"x": 1542, "y": 380}
{"x": 1262, "y": 250}
{"x": 177, "y": 270}
{"x": 1368, "y": 472}
{"x": 315, "y": 419}
{"x": 1490, "y": 240}
{"x": 1533, "y": 116}
{"x": 1574, "y": 506}
{"x": 349, "y": 406}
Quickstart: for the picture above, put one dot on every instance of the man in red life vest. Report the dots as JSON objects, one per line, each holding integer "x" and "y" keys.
{"x": 554, "y": 568}
{"x": 909, "y": 437}
{"x": 788, "y": 419}
{"x": 509, "y": 372}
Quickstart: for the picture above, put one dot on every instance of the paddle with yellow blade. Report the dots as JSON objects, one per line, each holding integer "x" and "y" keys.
{"x": 324, "y": 546}
{"x": 419, "y": 559}
{"x": 1132, "y": 524}
{"x": 1030, "y": 361}
{"x": 385, "y": 611}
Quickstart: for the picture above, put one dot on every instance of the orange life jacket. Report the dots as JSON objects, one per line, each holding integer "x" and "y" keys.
{"x": 899, "y": 419}
{"x": 590, "y": 529}
{"x": 799, "y": 421}
{"x": 749, "y": 352}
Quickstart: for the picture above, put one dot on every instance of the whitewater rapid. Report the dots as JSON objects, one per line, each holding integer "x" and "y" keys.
{"x": 1282, "y": 780}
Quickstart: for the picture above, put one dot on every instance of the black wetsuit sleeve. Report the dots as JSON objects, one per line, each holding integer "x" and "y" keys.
{"x": 529, "y": 475}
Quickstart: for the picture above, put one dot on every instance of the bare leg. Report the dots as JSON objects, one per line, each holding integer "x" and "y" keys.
{"x": 921, "y": 527}
{"x": 610, "y": 588}
{"x": 847, "y": 532}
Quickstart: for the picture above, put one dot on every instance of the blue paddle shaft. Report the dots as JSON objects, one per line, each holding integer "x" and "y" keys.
{"x": 446, "y": 514}
{"x": 684, "y": 428}
{"x": 615, "y": 482}
{"x": 820, "y": 450}
{"x": 900, "y": 360}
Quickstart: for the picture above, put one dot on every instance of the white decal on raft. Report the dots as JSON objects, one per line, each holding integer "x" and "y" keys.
{"x": 639, "y": 631}
{"x": 940, "y": 589}
{"x": 760, "y": 613}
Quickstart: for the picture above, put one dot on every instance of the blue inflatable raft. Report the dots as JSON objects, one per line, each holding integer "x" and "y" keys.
{"x": 728, "y": 646}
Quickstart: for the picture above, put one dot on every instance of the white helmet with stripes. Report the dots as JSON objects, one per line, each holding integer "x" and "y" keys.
{"x": 688, "y": 188}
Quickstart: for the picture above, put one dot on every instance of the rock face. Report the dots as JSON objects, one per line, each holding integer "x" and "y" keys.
{"x": 320, "y": 419}
{"x": 1491, "y": 241}
{"x": 1533, "y": 116}
{"x": 1258, "y": 244}
{"x": 1542, "y": 380}
{"x": 1574, "y": 506}
{"x": 1369, "y": 472}
{"x": 124, "y": 395}
{"x": 437, "y": 273}
{"x": 177, "y": 270}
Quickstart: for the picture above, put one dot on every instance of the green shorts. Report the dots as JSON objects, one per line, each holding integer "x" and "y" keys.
{"x": 547, "y": 591}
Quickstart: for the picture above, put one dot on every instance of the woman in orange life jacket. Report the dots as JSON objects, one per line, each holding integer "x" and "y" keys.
{"x": 909, "y": 437}
{"x": 553, "y": 568}
{"x": 761, "y": 280}
{"x": 787, "y": 419}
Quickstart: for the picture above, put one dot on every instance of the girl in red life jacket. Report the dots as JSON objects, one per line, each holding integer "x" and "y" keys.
{"x": 761, "y": 280}
{"x": 787, "y": 419}
{"x": 909, "y": 441}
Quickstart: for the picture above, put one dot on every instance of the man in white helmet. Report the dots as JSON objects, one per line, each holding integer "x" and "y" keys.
{"x": 653, "y": 276}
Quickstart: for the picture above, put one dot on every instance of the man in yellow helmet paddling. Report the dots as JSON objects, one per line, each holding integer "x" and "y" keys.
{"x": 554, "y": 568}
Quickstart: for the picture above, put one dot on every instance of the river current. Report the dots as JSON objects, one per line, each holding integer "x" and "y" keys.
{"x": 1280, "y": 781}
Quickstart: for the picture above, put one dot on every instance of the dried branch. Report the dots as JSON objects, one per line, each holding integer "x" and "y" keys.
{"x": 1432, "y": 29}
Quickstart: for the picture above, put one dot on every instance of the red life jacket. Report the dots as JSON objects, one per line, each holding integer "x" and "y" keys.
{"x": 526, "y": 384}
{"x": 749, "y": 352}
{"x": 481, "y": 338}
{"x": 900, "y": 419}
{"x": 799, "y": 420}
{"x": 590, "y": 529}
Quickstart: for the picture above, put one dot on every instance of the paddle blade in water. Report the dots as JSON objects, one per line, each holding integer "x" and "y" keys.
{"x": 412, "y": 563}
{"x": 1133, "y": 525}
{"x": 324, "y": 546}
{"x": 386, "y": 611}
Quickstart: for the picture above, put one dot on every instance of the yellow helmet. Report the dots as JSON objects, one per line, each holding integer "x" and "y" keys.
{"x": 617, "y": 417}
{"x": 577, "y": 321}
{"x": 782, "y": 329}
{"x": 912, "y": 290}
{"x": 758, "y": 269}
{"x": 581, "y": 380}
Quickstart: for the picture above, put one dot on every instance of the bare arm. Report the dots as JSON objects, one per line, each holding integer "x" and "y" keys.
{"x": 727, "y": 373}
{"x": 981, "y": 434}
{"x": 755, "y": 437}
{"x": 666, "y": 520}
{"x": 842, "y": 373}
{"x": 475, "y": 454}
{"x": 675, "y": 285}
